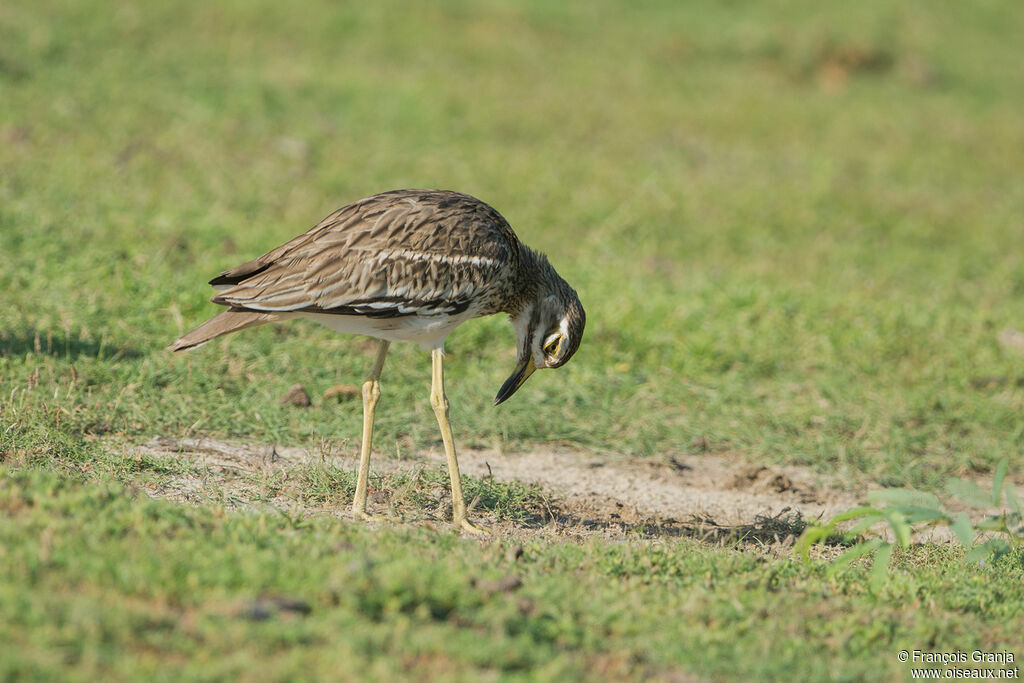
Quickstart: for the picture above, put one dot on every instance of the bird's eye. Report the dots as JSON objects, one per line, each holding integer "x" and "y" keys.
{"x": 551, "y": 347}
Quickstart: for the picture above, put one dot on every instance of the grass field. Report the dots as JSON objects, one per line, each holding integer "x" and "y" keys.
{"x": 796, "y": 229}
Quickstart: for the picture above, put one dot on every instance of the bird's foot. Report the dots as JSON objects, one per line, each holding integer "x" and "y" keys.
{"x": 463, "y": 524}
{"x": 364, "y": 516}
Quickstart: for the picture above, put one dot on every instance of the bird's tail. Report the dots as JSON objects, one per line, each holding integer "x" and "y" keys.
{"x": 231, "y": 320}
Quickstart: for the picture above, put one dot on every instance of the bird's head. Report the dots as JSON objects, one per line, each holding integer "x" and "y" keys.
{"x": 548, "y": 332}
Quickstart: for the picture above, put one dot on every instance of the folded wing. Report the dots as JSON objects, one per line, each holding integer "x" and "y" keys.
{"x": 409, "y": 252}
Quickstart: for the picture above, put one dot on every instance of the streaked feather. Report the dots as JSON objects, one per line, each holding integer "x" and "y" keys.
{"x": 230, "y": 320}
{"x": 406, "y": 265}
{"x": 408, "y": 252}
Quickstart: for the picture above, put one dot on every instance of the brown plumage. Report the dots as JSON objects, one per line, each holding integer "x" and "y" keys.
{"x": 231, "y": 320}
{"x": 406, "y": 265}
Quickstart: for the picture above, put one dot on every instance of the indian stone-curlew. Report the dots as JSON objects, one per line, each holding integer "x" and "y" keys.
{"x": 407, "y": 265}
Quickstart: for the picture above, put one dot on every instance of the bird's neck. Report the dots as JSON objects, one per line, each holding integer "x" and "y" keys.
{"x": 532, "y": 275}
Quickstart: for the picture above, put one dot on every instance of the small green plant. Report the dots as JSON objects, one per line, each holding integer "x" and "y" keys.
{"x": 908, "y": 511}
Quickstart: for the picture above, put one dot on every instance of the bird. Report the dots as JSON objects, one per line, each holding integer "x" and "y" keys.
{"x": 407, "y": 266}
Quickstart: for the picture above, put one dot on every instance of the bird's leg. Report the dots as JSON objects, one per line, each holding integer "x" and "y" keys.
{"x": 440, "y": 404}
{"x": 371, "y": 394}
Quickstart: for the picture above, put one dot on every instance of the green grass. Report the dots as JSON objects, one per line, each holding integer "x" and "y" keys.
{"x": 201, "y": 594}
{"x": 795, "y": 228}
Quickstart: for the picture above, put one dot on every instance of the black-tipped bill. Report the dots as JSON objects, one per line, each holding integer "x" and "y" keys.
{"x": 522, "y": 373}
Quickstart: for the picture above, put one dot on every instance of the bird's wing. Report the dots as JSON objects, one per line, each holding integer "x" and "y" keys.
{"x": 399, "y": 253}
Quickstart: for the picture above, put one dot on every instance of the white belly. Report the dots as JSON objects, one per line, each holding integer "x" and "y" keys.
{"x": 427, "y": 331}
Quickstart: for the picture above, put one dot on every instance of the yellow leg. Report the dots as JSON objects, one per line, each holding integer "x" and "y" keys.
{"x": 440, "y": 404}
{"x": 371, "y": 394}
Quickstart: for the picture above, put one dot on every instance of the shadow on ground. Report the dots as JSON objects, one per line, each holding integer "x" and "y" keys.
{"x": 62, "y": 345}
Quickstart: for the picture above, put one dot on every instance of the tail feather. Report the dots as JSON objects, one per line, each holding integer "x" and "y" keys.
{"x": 231, "y": 320}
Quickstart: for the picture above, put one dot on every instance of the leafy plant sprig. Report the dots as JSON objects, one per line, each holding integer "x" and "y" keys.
{"x": 909, "y": 511}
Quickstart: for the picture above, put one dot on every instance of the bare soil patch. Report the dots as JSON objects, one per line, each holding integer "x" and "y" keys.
{"x": 712, "y": 496}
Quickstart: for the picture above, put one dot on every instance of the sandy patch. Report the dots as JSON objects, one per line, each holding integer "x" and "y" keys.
{"x": 709, "y": 495}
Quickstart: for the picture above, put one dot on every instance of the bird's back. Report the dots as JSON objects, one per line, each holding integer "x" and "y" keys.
{"x": 399, "y": 253}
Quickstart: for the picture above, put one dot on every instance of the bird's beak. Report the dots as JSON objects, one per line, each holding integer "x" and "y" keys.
{"x": 522, "y": 373}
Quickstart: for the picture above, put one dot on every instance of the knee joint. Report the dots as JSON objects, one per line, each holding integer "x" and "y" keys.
{"x": 438, "y": 401}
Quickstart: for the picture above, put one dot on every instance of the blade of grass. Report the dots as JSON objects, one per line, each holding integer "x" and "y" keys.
{"x": 900, "y": 528}
{"x": 915, "y": 514}
{"x": 995, "y": 547}
{"x": 856, "y": 552}
{"x": 998, "y": 480}
{"x": 880, "y": 568}
{"x": 905, "y": 497}
{"x": 968, "y": 492}
{"x": 964, "y": 531}
{"x": 1012, "y": 501}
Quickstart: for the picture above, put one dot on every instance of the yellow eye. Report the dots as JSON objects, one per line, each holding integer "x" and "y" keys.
{"x": 551, "y": 348}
